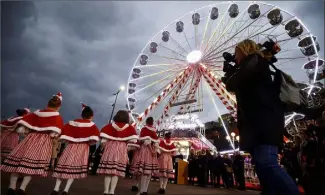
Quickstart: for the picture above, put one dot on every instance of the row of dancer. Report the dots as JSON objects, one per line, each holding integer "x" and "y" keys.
{"x": 32, "y": 156}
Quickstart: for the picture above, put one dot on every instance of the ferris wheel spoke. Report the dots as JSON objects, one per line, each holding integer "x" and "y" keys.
{"x": 188, "y": 43}
{"x": 272, "y": 27}
{"x": 281, "y": 64}
{"x": 169, "y": 58}
{"x": 175, "y": 53}
{"x": 205, "y": 31}
{"x": 154, "y": 83}
{"x": 195, "y": 35}
{"x": 249, "y": 37}
{"x": 185, "y": 51}
{"x": 292, "y": 58}
{"x": 217, "y": 27}
{"x": 229, "y": 27}
{"x": 212, "y": 51}
{"x": 157, "y": 73}
{"x": 155, "y": 65}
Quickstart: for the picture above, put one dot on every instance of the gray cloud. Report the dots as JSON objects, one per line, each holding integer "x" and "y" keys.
{"x": 86, "y": 49}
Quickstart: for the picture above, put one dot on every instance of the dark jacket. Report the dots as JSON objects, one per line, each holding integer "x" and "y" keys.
{"x": 218, "y": 164}
{"x": 259, "y": 109}
{"x": 238, "y": 164}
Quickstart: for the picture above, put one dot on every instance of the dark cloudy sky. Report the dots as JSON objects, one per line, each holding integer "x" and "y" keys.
{"x": 86, "y": 49}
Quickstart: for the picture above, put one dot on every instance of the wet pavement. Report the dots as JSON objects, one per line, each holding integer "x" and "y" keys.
{"x": 94, "y": 185}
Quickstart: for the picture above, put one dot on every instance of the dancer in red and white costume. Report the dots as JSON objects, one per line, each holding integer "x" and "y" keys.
{"x": 147, "y": 163}
{"x": 167, "y": 150}
{"x": 9, "y": 137}
{"x": 135, "y": 177}
{"x": 114, "y": 138}
{"x": 73, "y": 163}
{"x": 33, "y": 155}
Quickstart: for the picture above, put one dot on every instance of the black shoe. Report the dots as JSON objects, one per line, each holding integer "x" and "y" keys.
{"x": 134, "y": 189}
{"x": 64, "y": 193}
{"x": 160, "y": 191}
{"x": 21, "y": 192}
{"x": 11, "y": 191}
{"x": 54, "y": 192}
{"x": 163, "y": 191}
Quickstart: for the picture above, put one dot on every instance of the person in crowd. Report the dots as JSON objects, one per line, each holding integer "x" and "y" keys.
{"x": 313, "y": 159}
{"x": 210, "y": 168}
{"x": 192, "y": 167}
{"x": 92, "y": 150}
{"x": 167, "y": 150}
{"x": 73, "y": 163}
{"x": 290, "y": 160}
{"x": 9, "y": 137}
{"x": 227, "y": 172}
{"x": 55, "y": 151}
{"x": 146, "y": 163}
{"x": 32, "y": 156}
{"x": 114, "y": 138}
{"x": 239, "y": 171}
{"x": 218, "y": 164}
{"x": 97, "y": 156}
{"x": 260, "y": 115}
{"x": 203, "y": 169}
{"x": 135, "y": 177}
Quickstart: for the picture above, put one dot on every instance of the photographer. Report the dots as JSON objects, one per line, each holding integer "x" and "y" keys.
{"x": 260, "y": 115}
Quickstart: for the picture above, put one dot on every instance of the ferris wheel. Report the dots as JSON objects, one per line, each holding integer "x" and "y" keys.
{"x": 179, "y": 71}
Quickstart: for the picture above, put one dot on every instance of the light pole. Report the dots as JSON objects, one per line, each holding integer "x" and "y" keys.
{"x": 232, "y": 138}
{"x": 116, "y": 95}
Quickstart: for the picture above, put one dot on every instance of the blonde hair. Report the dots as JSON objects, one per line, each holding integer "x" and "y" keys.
{"x": 249, "y": 47}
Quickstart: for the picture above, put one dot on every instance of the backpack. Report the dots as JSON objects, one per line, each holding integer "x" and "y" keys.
{"x": 289, "y": 92}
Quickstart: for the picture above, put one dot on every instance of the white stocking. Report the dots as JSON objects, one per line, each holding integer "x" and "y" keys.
{"x": 113, "y": 184}
{"x": 165, "y": 182}
{"x": 148, "y": 182}
{"x": 161, "y": 181}
{"x": 25, "y": 182}
{"x": 57, "y": 185}
{"x": 67, "y": 186}
{"x": 143, "y": 183}
{"x": 107, "y": 182}
{"x": 13, "y": 180}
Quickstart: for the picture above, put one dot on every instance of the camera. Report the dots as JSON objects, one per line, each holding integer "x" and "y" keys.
{"x": 272, "y": 47}
{"x": 228, "y": 68}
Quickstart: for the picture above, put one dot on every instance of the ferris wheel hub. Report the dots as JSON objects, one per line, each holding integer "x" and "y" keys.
{"x": 194, "y": 56}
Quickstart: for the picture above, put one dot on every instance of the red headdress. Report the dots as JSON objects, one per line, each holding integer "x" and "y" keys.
{"x": 83, "y": 106}
{"x": 59, "y": 95}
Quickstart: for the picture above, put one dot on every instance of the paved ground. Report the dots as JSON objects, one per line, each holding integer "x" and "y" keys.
{"x": 93, "y": 185}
